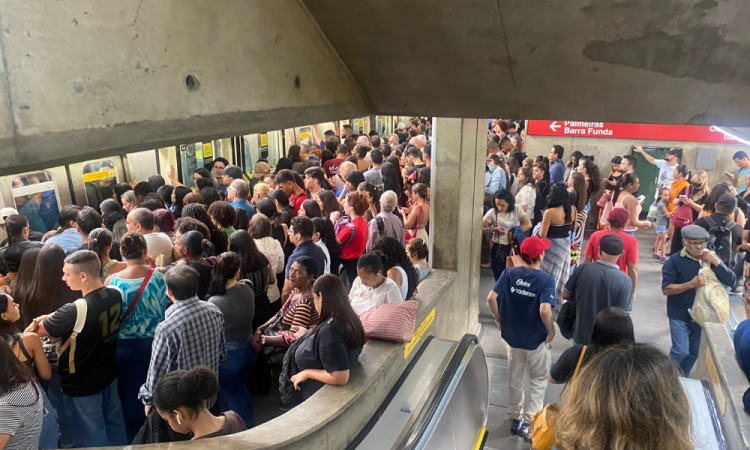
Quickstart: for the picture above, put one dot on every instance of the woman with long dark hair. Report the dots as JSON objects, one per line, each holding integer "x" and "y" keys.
{"x": 623, "y": 197}
{"x": 21, "y": 404}
{"x": 591, "y": 173}
{"x": 327, "y": 354}
{"x": 138, "y": 328}
{"x": 311, "y": 209}
{"x": 100, "y": 242}
{"x": 256, "y": 268}
{"x": 262, "y": 233}
{"x": 282, "y": 206}
{"x": 557, "y": 223}
{"x": 190, "y": 249}
{"x": 328, "y": 204}
{"x": 200, "y": 213}
{"x": 325, "y": 237}
{"x": 577, "y": 190}
{"x": 505, "y": 215}
{"x": 397, "y": 265}
{"x": 572, "y": 166}
{"x": 235, "y": 299}
{"x": 48, "y": 291}
{"x": 178, "y": 197}
{"x": 279, "y": 230}
{"x": 294, "y": 157}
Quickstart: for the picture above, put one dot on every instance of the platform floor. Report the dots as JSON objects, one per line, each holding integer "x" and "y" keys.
{"x": 649, "y": 320}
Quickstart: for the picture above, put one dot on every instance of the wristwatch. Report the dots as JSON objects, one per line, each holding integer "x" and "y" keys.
{"x": 263, "y": 340}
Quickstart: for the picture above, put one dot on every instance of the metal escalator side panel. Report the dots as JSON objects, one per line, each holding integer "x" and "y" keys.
{"x": 429, "y": 418}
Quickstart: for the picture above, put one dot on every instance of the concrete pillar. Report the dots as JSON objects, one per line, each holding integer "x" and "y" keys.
{"x": 458, "y": 160}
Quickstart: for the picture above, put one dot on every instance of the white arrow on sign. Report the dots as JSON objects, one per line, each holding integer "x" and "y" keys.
{"x": 554, "y": 126}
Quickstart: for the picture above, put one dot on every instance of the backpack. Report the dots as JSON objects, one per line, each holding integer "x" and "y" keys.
{"x": 381, "y": 225}
{"x": 720, "y": 241}
{"x": 289, "y": 396}
{"x": 81, "y": 310}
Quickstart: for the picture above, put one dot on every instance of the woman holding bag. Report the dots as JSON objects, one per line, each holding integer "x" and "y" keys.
{"x": 144, "y": 303}
{"x": 688, "y": 203}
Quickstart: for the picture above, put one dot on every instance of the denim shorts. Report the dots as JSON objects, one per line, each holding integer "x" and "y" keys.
{"x": 661, "y": 229}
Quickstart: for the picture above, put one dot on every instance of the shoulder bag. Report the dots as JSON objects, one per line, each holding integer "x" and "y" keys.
{"x": 411, "y": 234}
{"x": 138, "y": 295}
{"x": 82, "y": 310}
{"x": 542, "y": 428}
{"x": 274, "y": 354}
{"x": 683, "y": 215}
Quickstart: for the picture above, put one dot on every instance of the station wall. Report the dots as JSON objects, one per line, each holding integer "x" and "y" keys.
{"x": 606, "y": 149}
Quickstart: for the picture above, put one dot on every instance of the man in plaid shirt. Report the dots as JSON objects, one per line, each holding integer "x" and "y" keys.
{"x": 192, "y": 333}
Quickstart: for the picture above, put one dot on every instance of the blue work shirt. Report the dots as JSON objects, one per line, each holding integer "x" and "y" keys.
{"x": 307, "y": 248}
{"x": 556, "y": 171}
{"x": 520, "y": 293}
{"x": 680, "y": 269}
{"x": 69, "y": 240}
{"x": 497, "y": 181}
{"x": 246, "y": 206}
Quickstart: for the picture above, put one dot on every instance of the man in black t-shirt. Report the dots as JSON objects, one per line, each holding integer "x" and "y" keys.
{"x": 89, "y": 379}
{"x": 725, "y": 205}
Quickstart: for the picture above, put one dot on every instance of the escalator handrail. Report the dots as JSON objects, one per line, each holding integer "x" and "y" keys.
{"x": 426, "y": 415}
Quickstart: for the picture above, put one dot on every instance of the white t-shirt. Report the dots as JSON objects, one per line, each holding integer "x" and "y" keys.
{"x": 363, "y": 298}
{"x": 666, "y": 173}
{"x": 273, "y": 251}
{"x": 323, "y": 247}
{"x": 159, "y": 244}
{"x": 527, "y": 196}
{"x": 505, "y": 220}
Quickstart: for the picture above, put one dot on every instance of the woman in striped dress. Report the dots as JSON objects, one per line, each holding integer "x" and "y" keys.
{"x": 577, "y": 187}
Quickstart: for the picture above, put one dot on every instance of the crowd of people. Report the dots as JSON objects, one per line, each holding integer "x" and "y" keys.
{"x": 158, "y": 314}
{"x": 535, "y": 216}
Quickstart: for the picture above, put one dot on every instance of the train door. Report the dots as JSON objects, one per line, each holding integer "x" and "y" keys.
{"x": 39, "y": 196}
{"x": 190, "y": 158}
{"x": 94, "y": 181}
{"x": 648, "y": 175}
{"x": 140, "y": 165}
{"x": 261, "y": 146}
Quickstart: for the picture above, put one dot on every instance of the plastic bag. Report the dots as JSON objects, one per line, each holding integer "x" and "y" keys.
{"x": 711, "y": 302}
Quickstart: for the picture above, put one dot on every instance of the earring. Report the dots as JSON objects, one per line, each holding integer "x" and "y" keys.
{"x": 179, "y": 422}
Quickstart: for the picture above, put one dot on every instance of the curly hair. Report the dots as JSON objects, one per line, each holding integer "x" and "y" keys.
{"x": 199, "y": 213}
{"x": 223, "y": 213}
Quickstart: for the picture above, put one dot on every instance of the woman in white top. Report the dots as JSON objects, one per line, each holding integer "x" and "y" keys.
{"x": 526, "y": 197}
{"x": 499, "y": 220}
{"x": 371, "y": 288}
{"x": 319, "y": 227}
{"x": 260, "y": 230}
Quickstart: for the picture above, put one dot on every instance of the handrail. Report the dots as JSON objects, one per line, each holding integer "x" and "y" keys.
{"x": 457, "y": 364}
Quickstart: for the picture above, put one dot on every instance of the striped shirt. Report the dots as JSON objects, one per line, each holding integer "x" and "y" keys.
{"x": 21, "y": 413}
{"x": 301, "y": 314}
{"x": 192, "y": 334}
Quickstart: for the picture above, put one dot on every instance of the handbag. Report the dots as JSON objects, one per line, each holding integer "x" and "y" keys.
{"x": 542, "y": 428}
{"x": 391, "y": 321}
{"x": 683, "y": 216}
{"x": 514, "y": 259}
{"x": 275, "y": 354}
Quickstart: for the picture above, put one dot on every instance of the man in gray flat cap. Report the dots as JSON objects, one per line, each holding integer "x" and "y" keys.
{"x": 680, "y": 279}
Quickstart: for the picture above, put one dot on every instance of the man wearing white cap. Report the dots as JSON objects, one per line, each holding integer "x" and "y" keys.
{"x": 681, "y": 277}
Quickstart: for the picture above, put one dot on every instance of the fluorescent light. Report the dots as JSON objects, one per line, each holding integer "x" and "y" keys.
{"x": 733, "y": 136}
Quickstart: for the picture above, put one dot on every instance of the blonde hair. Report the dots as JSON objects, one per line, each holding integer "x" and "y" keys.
{"x": 345, "y": 168}
{"x": 262, "y": 189}
{"x": 629, "y": 397}
{"x": 704, "y": 189}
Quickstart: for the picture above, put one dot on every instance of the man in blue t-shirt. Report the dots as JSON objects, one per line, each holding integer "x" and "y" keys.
{"x": 521, "y": 303}
{"x": 740, "y": 158}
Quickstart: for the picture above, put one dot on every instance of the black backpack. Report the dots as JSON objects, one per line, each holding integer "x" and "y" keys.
{"x": 721, "y": 239}
{"x": 288, "y": 395}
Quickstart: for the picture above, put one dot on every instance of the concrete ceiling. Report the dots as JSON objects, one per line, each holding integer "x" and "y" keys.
{"x": 671, "y": 61}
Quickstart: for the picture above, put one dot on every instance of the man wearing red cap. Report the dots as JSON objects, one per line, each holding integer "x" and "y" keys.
{"x": 628, "y": 261}
{"x": 522, "y": 302}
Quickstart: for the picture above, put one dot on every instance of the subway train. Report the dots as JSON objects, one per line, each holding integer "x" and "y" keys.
{"x": 41, "y": 194}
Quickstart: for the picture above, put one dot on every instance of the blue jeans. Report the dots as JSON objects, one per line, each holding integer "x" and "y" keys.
{"x": 55, "y": 396}
{"x": 233, "y": 375}
{"x": 96, "y": 420}
{"x": 49, "y": 436}
{"x": 686, "y": 341}
{"x": 133, "y": 358}
{"x": 632, "y": 233}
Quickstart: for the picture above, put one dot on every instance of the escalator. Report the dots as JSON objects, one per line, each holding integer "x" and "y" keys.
{"x": 439, "y": 402}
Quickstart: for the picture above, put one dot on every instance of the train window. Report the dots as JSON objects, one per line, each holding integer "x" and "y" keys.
{"x": 100, "y": 178}
{"x": 191, "y": 158}
{"x": 35, "y": 196}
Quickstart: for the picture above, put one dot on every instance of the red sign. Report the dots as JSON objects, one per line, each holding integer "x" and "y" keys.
{"x": 685, "y": 133}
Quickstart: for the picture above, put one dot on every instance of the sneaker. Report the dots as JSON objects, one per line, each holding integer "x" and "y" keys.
{"x": 656, "y": 255}
{"x": 523, "y": 431}
{"x": 663, "y": 259}
{"x": 516, "y": 425}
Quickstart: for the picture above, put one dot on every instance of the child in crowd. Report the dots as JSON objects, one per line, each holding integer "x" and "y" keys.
{"x": 662, "y": 224}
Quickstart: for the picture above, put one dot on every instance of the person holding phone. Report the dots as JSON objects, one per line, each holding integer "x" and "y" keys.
{"x": 504, "y": 216}
{"x": 741, "y": 160}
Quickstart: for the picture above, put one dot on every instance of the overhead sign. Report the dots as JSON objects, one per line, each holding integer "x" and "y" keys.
{"x": 100, "y": 175}
{"x": 685, "y": 133}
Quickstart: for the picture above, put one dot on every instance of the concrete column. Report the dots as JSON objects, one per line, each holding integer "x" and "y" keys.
{"x": 456, "y": 199}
